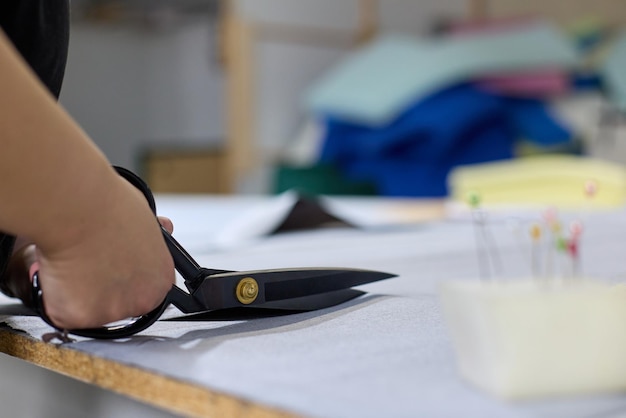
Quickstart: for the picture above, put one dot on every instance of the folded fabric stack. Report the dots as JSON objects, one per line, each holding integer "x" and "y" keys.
{"x": 402, "y": 112}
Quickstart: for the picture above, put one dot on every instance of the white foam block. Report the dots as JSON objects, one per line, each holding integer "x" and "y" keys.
{"x": 524, "y": 339}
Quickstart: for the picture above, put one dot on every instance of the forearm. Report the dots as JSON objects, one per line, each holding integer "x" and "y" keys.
{"x": 99, "y": 251}
{"x": 54, "y": 180}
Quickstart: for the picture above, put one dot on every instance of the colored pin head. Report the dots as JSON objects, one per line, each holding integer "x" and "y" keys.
{"x": 556, "y": 227}
{"x": 591, "y": 188}
{"x": 576, "y": 228}
{"x": 473, "y": 199}
{"x": 535, "y": 232}
{"x": 572, "y": 248}
{"x": 550, "y": 216}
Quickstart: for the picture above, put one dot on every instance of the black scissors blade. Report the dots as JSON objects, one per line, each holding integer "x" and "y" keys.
{"x": 259, "y": 287}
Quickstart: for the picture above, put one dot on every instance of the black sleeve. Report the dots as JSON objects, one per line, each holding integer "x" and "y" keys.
{"x": 39, "y": 29}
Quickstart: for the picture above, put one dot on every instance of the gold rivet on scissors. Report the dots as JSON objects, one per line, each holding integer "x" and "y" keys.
{"x": 247, "y": 290}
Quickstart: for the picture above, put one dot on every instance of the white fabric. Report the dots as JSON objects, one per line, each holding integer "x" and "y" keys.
{"x": 385, "y": 354}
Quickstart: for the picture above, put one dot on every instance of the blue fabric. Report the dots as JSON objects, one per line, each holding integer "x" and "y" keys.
{"x": 586, "y": 81}
{"x": 413, "y": 155}
{"x": 531, "y": 119}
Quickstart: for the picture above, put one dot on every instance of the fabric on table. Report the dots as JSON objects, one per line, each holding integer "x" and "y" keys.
{"x": 462, "y": 125}
{"x": 538, "y": 83}
{"x": 386, "y": 354}
{"x": 379, "y": 82}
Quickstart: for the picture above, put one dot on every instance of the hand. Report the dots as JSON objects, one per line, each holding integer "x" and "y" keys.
{"x": 91, "y": 302}
{"x": 17, "y": 282}
{"x": 101, "y": 253}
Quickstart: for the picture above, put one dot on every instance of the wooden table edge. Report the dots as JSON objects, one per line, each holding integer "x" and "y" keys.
{"x": 173, "y": 395}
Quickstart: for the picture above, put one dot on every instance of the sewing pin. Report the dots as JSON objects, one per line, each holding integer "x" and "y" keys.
{"x": 535, "y": 235}
{"x": 562, "y": 247}
{"x": 554, "y": 227}
{"x": 473, "y": 200}
{"x": 590, "y": 188}
{"x": 488, "y": 258}
{"x": 573, "y": 247}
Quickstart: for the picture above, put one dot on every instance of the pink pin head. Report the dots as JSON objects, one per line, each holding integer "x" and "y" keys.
{"x": 576, "y": 228}
{"x": 550, "y": 215}
{"x": 591, "y": 188}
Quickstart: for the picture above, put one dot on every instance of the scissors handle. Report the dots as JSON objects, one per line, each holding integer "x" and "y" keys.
{"x": 133, "y": 325}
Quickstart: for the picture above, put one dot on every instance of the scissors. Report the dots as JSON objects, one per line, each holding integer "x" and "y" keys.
{"x": 213, "y": 289}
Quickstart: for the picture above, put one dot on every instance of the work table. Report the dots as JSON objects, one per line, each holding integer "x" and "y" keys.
{"x": 385, "y": 353}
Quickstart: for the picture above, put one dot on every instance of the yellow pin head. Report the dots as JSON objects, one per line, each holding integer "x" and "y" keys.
{"x": 535, "y": 232}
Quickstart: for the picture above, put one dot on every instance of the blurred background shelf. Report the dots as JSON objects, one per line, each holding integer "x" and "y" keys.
{"x": 190, "y": 170}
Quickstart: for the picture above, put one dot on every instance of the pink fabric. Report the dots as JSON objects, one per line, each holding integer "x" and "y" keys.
{"x": 547, "y": 82}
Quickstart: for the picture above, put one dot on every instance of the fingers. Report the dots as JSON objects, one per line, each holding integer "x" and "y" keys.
{"x": 124, "y": 262}
{"x": 68, "y": 303}
{"x": 166, "y": 223}
{"x": 16, "y": 280}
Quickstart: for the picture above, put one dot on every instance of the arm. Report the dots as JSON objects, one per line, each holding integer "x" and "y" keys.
{"x": 100, "y": 251}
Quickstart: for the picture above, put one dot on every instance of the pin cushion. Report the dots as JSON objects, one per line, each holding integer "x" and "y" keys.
{"x": 524, "y": 339}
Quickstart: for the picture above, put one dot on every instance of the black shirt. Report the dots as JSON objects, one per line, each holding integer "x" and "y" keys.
{"x": 39, "y": 29}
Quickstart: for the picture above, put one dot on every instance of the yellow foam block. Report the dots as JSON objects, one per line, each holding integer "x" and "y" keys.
{"x": 523, "y": 339}
{"x": 554, "y": 180}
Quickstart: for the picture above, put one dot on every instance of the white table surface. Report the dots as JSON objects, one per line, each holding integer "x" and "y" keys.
{"x": 384, "y": 354}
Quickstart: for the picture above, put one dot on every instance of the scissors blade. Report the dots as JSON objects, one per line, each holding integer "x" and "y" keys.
{"x": 258, "y": 287}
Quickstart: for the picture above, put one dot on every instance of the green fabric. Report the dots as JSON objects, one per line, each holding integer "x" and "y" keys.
{"x": 318, "y": 179}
